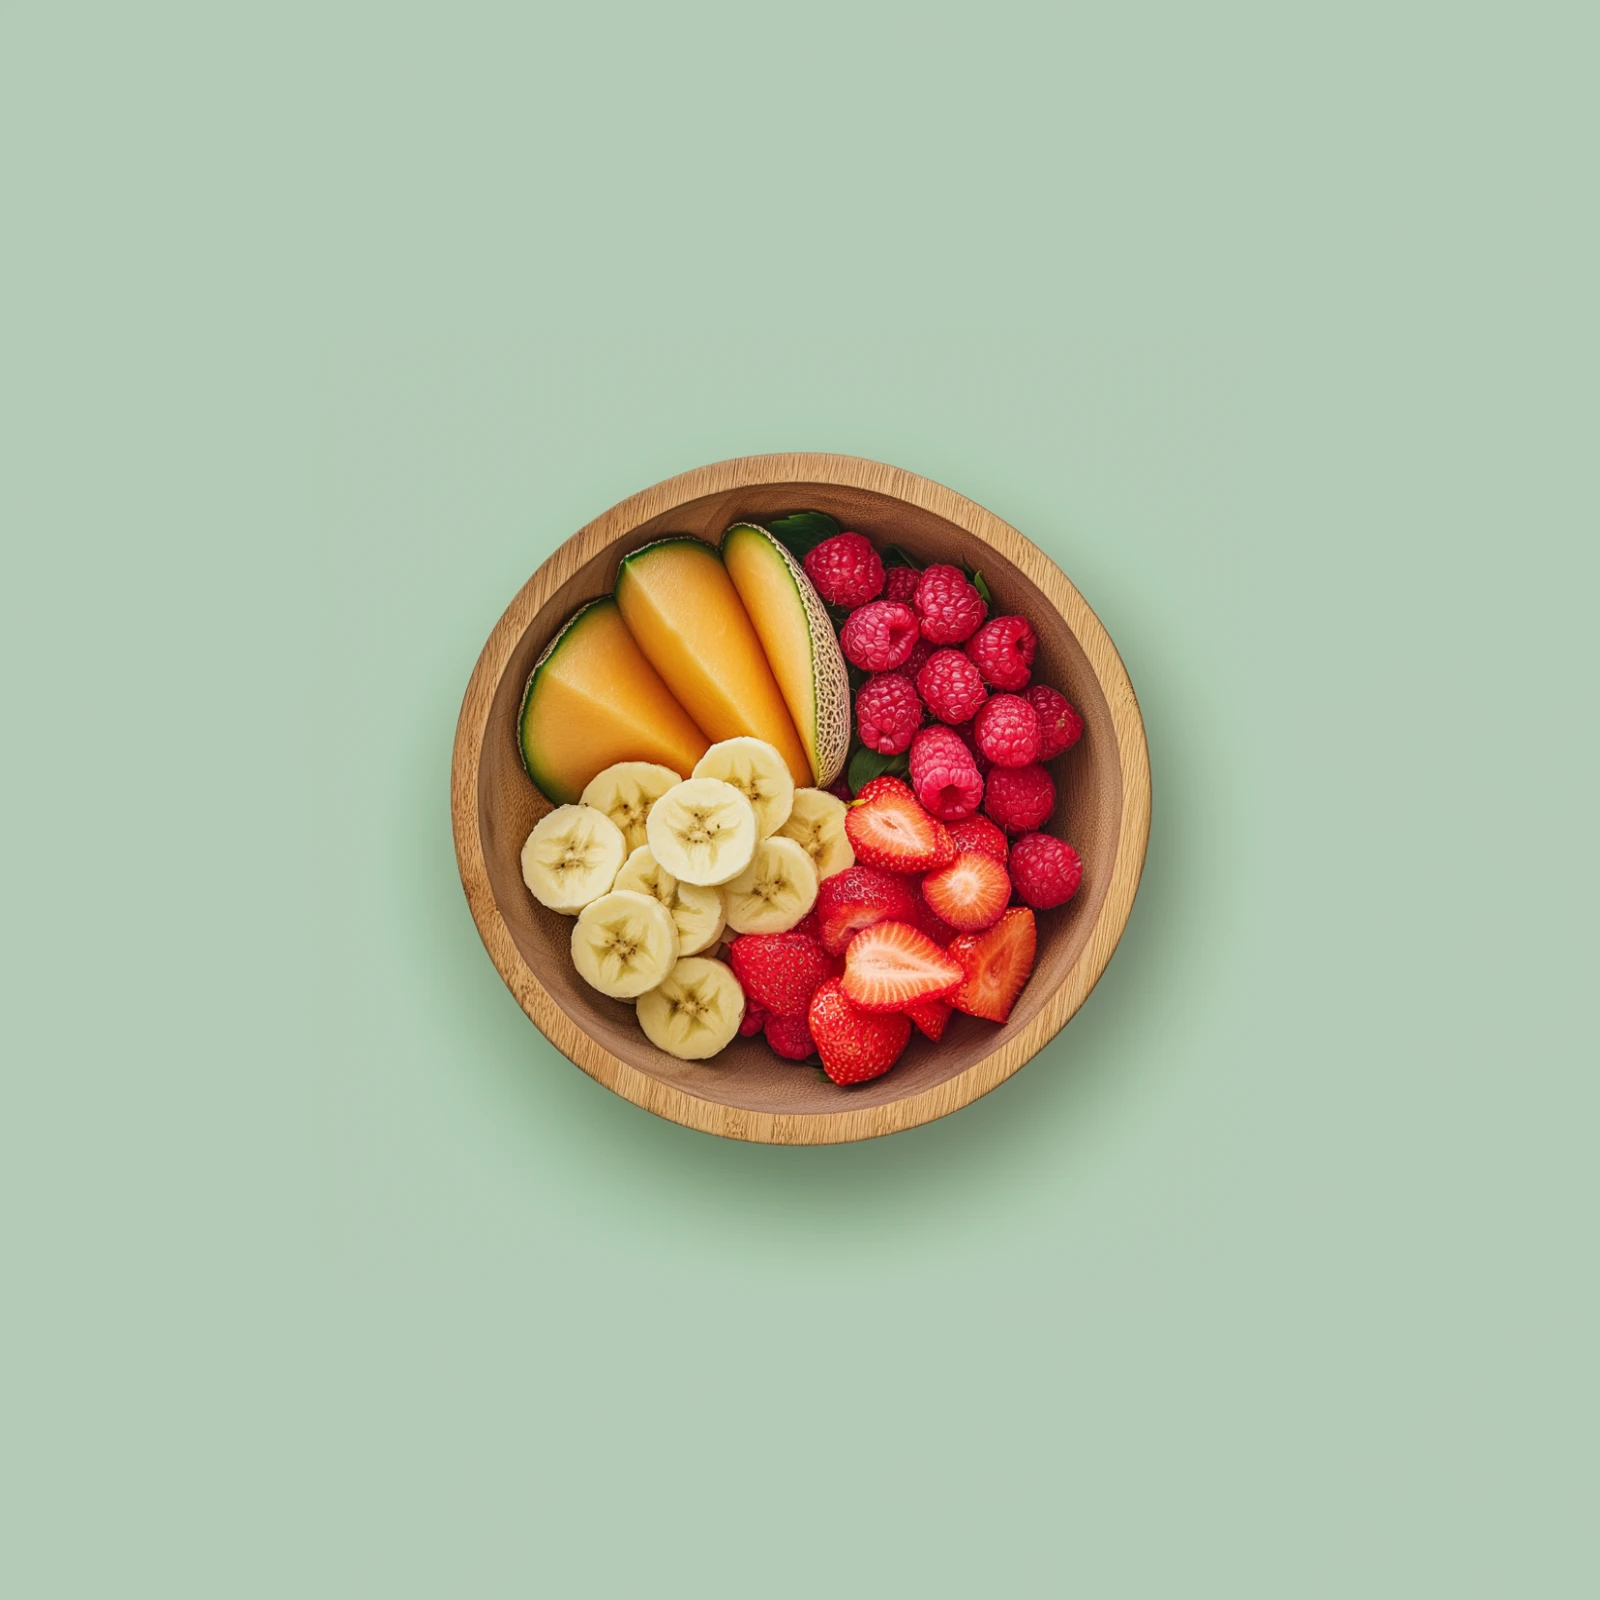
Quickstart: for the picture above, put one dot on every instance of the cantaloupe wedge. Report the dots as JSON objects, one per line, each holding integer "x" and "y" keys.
{"x": 798, "y": 640}
{"x": 592, "y": 700}
{"x": 681, "y": 607}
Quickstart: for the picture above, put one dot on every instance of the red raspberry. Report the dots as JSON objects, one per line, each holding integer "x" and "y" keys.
{"x": 840, "y": 789}
{"x": 1060, "y": 726}
{"x": 980, "y": 834}
{"x": 1003, "y": 651}
{"x": 949, "y": 606}
{"x": 917, "y": 660}
{"x": 980, "y": 760}
{"x": 846, "y": 570}
{"x": 1045, "y": 871}
{"x": 951, "y": 686}
{"x": 944, "y": 775}
{"x": 755, "y": 1018}
{"x": 1007, "y": 731}
{"x": 1018, "y": 798}
{"x": 790, "y": 1037}
{"x": 901, "y": 584}
{"x": 879, "y": 636}
{"x": 888, "y": 712}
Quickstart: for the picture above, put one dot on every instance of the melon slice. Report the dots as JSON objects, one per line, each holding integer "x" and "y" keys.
{"x": 797, "y": 636}
{"x": 681, "y": 606}
{"x": 593, "y": 700}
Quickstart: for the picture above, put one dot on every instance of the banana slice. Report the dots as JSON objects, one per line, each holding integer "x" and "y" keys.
{"x": 774, "y": 891}
{"x": 695, "y": 1012}
{"x": 696, "y": 912}
{"x": 758, "y": 772}
{"x": 702, "y": 832}
{"x": 624, "y": 943}
{"x": 626, "y": 791}
{"x": 816, "y": 824}
{"x": 571, "y": 857}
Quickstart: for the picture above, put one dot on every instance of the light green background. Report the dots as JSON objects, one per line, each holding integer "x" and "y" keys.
{"x": 324, "y": 1275}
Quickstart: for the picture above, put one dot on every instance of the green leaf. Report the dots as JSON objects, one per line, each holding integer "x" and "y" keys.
{"x": 983, "y": 589}
{"x": 894, "y": 556}
{"x": 802, "y": 531}
{"x": 865, "y": 765}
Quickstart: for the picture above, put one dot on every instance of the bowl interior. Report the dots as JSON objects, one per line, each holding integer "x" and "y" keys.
{"x": 747, "y": 1075}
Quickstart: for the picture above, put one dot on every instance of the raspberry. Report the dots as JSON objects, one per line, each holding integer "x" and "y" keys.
{"x": 1007, "y": 731}
{"x": 879, "y": 636}
{"x": 901, "y": 584}
{"x": 846, "y": 570}
{"x": 755, "y": 1018}
{"x": 980, "y": 834}
{"x": 1003, "y": 651}
{"x": 964, "y": 729}
{"x": 1018, "y": 798}
{"x": 944, "y": 775}
{"x": 1060, "y": 726}
{"x": 840, "y": 789}
{"x": 917, "y": 660}
{"x": 951, "y": 687}
{"x": 950, "y": 608}
{"x": 888, "y": 712}
{"x": 790, "y": 1037}
{"x": 1045, "y": 871}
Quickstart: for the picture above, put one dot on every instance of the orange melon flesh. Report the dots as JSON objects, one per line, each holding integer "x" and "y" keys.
{"x": 594, "y": 700}
{"x": 681, "y": 606}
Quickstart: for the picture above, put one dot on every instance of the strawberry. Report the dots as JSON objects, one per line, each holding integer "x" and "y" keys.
{"x": 855, "y": 1045}
{"x": 856, "y": 898}
{"x": 930, "y": 1016}
{"x": 979, "y": 833}
{"x": 997, "y": 964}
{"x": 886, "y": 783}
{"x": 930, "y": 921}
{"x": 891, "y": 964}
{"x": 970, "y": 893}
{"x": 890, "y": 830}
{"x": 779, "y": 971}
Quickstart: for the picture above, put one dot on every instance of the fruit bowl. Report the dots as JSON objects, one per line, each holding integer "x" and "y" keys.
{"x": 746, "y": 1092}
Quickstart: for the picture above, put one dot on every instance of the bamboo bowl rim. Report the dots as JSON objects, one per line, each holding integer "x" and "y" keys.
{"x": 844, "y": 1125}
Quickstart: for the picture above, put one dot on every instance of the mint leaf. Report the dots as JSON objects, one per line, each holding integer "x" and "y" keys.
{"x": 865, "y": 765}
{"x": 894, "y": 556}
{"x": 802, "y": 531}
{"x": 983, "y": 589}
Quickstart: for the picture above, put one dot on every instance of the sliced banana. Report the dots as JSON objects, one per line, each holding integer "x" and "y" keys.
{"x": 703, "y": 831}
{"x": 626, "y": 791}
{"x": 774, "y": 891}
{"x": 695, "y": 1012}
{"x": 624, "y": 943}
{"x": 571, "y": 857}
{"x": 816, "y": 824}
{"x": 696, "y": 912}
{"x": 758, "y": 772}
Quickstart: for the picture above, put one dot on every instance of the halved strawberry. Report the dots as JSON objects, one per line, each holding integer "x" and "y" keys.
{"x": 970, "y": 893}
{"x": 930, "y": 921}
{"x": 930, "y": 1016}
{"x": 887, "y": 783}
{"x": 891, "y": 965}
{"x": 890, "y": 830}
{"x": 855, "y": 899}
{"x": 855, "y": 1045}
{"x": 996, "y": 964}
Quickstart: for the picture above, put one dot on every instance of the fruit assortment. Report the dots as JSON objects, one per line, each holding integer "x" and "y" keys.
{"x": 817, "y": 757}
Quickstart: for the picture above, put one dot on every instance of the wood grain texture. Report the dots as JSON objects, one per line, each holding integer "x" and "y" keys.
{"x": 746, "y": 1093}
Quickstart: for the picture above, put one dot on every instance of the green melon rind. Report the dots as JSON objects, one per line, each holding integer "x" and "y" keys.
{"x": 548, "y": 788}
{"x": 830, "y": 678}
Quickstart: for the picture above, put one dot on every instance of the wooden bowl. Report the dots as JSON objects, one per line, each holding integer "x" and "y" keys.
{"x": 746, "y": 1092}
